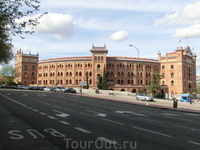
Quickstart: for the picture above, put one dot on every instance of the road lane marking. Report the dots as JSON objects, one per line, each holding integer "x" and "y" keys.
{"x": 151, "y": 120}
{"x": 64, "y": 122}
{"x": 152, "y": 131}
{"x": 61, "y": 114}
{"x": 69, "y": 110}
{"x": 46, "y": 103}
{"x": 107, "y": 140}
{"x": 86, "y": 114}
{"x": 42, "y": 113}
{"x": 112, "y": 121}
{"x": 35, "y": 110}
{"x": 178, "y": 118}
{"x": 56, "y": 106}
{"x": 14, "y": 100}
{"x": 187, "y": 127}
{"x": 51, "y": 117}
{"x": 82, "y": 130}
{"x": 194, "y": 142}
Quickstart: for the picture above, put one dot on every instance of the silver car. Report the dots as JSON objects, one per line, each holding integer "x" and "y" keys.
{"x": 144, "y": 97}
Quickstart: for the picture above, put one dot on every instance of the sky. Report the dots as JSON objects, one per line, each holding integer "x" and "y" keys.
{"x": 72, "y": 26}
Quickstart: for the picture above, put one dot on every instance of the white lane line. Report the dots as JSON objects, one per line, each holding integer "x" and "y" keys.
{"x": 178, "y": 118}
{"x": 46, "y": 103}
{"x": 107, "y": 140}
{"x": 35, "y": 110}
{"x": 187, "y": 127}
{"x": 82, "y": 130}
{"x": 42, "y": 113}
{"x": 69, "y": 110}
{"x": 56, "y": 106}
{"x": 151, "y": 120}
{"x": 108, "y": 107}
{"x": 152, "y": 132}
{"x": 64, "y": 122}
{"x": 86, "y": 114}
{"x": 13, "y": 100}
{"x": 194, "y": 142}
{"x": 112, "y": 121}
{"x": 92, "y": 111}
{"x": 51, "y": 117}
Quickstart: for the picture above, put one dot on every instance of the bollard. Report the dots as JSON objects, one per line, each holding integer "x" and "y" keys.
{"x": 175, "y": 103}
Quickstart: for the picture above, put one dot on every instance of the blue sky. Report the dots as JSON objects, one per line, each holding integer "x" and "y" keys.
{"x": 72, "y": 26}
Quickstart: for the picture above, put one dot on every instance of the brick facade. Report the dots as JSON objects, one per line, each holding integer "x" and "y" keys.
{"x": 123, "y": 73}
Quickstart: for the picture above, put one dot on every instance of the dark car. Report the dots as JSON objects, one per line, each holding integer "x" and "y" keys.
{"x": 70, "y": 90}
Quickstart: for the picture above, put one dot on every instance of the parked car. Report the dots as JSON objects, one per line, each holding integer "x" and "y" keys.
{"x": 144, "y": 97}
{"x": 60, "y": 89}
{"x": 70, "y": 90}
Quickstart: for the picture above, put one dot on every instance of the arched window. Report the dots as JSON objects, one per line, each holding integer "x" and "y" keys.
{"x": 172, "y": 66}
{"x": 98, "y": 67}
{"x": 172, "y": 82}
{"x": 129, "y": 74}
{"x": 90, "y": 73}
{"x": 172, "y": 74}
{"x": 163, "y": 67}
{"x": 80, "y": 73}
{"x": 129, "y": 82}
{"x": 67, "y": 73}
{"x": 25, "y": 67}
{"x": 118, "y": 81}
{"x": 118, "y": 73}
{"x": 76, "y": 73}
{"x": 33, "y": 74}
{"x": 163, "y": 82}
{"x": 112, "y": 73}
{"x": 122, "y": 74}
{"x": 122, "y": 81}
{"x": 90, "y": 81}
{"x": 33, "y": 67}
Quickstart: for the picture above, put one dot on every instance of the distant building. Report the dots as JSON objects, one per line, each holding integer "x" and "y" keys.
{"x": 26, "y": 66}
{"x": 123, "y": 73}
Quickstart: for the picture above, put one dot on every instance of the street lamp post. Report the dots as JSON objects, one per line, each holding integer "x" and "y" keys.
{"x": 137, "y": 68}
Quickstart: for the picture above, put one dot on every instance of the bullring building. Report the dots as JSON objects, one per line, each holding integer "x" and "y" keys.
{"x": 123, "y": 73}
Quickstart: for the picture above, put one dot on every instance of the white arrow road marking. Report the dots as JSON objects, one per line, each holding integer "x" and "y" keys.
{"x": 82, "y": 130}
{"x": 107, "y": 140}
{"x": 97, "y": 113}
{"x": 64, "y": 115}
{"x": 7, "y": 94}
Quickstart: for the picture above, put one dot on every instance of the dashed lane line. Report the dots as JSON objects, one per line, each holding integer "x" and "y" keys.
{"x": 152, "y": 131}
{"x": 51, "y": 117}
{"x": 64, "y": 122}
{"x": 86, "y": 114}
{"x": 82, "y": 130}
{"x": 112, "y": 121}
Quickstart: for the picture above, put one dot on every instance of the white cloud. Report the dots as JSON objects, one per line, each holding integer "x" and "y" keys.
{"x": 59, "y": 25}
{"x": 119, "y": 36}
{"x": 188, "y": 18}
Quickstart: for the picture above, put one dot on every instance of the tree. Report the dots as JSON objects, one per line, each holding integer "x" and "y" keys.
{"x": 7, "y": 70}
{"x": 104, "y": 80}
{"x": 155, "y": 82}
{"x": 86, "y": 86}
{"x": 3, "y": 80}
{"x": 99, "y": 83}
{"x": 10, "y": 11}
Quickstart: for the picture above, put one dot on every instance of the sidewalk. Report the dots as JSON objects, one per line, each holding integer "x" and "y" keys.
{"x": 158, "y": 103}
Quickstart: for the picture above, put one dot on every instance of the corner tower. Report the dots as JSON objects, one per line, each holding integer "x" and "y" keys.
{"x": 98, "y": 62}
{"x": 26, "y": 68}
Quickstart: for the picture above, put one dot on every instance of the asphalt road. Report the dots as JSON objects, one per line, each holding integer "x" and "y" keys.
{"x": 45, "y": 120}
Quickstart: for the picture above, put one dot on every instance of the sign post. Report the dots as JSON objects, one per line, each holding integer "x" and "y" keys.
{"x": 82, "y": 83}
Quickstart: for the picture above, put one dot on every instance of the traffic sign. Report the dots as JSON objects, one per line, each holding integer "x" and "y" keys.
{"x": 82, "y": 83}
